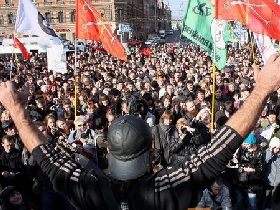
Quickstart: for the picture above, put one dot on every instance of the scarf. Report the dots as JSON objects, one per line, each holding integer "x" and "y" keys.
{"x": 167, "y": 131}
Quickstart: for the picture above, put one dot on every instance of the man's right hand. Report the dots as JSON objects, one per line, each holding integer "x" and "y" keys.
{"x": 11, "y": 98}
{"x": 268, "y": 78}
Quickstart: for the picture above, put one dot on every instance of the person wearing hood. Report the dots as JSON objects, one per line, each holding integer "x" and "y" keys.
{"x": 14, "y": 200}
{"x": 248, "y": 177}
{"x": 271, "y": 178}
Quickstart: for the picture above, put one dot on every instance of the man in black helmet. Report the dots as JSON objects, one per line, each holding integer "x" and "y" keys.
{"x": 129, "y": 142}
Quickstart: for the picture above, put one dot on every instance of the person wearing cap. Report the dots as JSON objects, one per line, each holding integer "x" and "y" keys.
{"x": 129, "y": 143}
{"x": 271, "y": 178}
{"x": 9, "y": 129}
{"x": 248, "y": 177}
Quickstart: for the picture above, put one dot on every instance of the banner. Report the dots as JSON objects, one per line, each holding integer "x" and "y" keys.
{"x": 260, "y": 16}
{"x": 90, "y": 24}
{"x": 200, "y": 26}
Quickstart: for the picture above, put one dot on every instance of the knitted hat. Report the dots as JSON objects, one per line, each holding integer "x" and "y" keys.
{"x": 274, "y": 142}
{"x": 251, "y": 139}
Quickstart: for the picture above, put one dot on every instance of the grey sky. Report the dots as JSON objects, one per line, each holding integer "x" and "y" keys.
{"x": 177, "y": 7}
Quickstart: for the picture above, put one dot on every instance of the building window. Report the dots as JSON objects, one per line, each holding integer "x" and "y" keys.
{"x": 8, "y": 2}
{"x": 62, "y": 36}
{"x": 48, "y": 17}
{"x": 10, "y": 18}
{"x": 73, "y": 16}
{"x": 1, "y": 20}
{"x": 60, "y": 17}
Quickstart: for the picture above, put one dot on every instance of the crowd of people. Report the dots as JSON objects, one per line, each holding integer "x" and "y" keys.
{"x": 172, "y": 91}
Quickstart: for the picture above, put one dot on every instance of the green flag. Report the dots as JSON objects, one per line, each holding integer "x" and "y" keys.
{"x": 200, "y": 26}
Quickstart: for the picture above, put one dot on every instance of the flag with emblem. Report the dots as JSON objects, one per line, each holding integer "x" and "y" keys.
{"x": 200, "y": 26}
{"x": 90, "y": 24}
{"x": 260, "y": 16}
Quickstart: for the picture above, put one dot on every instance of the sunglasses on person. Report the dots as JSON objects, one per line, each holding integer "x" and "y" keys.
{"x": 82, "y": 125}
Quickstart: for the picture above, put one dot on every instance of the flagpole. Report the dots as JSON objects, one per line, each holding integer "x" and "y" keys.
{"x": 213, "y": 98}
{"x": 75, "y": 66}
{"x": 214, "y": 80}
{"x": 12, "y": 63}
{"x": 252, "y": 46}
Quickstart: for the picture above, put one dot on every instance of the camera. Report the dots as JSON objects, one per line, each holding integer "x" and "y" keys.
{"x": 84, "y": 135}
{"x": 240, "y": 170}
{"x": 184, "y": 130}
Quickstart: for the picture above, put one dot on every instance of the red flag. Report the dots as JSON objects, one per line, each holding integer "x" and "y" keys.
{"x": 260, "y": 16}
{"x": 91, "y": 25}
{"x": 18, "y": 44}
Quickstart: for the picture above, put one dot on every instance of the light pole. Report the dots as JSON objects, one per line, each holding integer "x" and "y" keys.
{"x": 120, "y": 13}
{"x": 155, "y": 15}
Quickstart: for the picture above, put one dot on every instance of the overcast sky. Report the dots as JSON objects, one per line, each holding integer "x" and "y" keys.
{"x": 177, "y": 7}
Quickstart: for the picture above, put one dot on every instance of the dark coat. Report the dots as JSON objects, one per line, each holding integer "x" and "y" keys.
{"x": 173, "y": 188}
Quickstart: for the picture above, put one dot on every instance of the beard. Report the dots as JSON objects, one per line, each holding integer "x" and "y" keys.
{"x": 193, "y": 113}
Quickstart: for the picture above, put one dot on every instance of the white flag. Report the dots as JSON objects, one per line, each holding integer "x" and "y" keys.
{"x": 57, "y": 59}
{"x": 30, "y": 21}
{"x": 265, "y": 46}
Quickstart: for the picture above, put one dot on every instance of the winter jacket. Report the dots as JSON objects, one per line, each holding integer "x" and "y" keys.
{"x": 271, "y": 168}
{"x": 222, "y": 199}
{"x": 173, "y": 188}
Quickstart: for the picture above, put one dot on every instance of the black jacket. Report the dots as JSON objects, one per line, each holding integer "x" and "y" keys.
{"x": 11, "y": 162}
{"x": 172, "y": 188}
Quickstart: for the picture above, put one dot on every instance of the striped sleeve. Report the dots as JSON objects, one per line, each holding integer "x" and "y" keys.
{"x": 207, "y": 162}
{"x": 59, "y": 167}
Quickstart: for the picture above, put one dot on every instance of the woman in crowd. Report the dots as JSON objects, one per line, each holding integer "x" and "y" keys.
{"x": 14, "y": 200}
{"x": 52, "y": 130}
{"x": 181, "y": 145}
{"x": 248, "y": 179}
{"x": 162, "y": 135}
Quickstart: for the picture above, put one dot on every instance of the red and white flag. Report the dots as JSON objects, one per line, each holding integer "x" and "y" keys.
{"x": 90, "y": 24}
{"x": 265, "y": 46}
{"x": 19, "y": 45}
{"x": 260, "y": 16}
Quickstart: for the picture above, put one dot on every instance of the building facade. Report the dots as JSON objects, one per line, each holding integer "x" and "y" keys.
{"x": 128, "y": 18}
